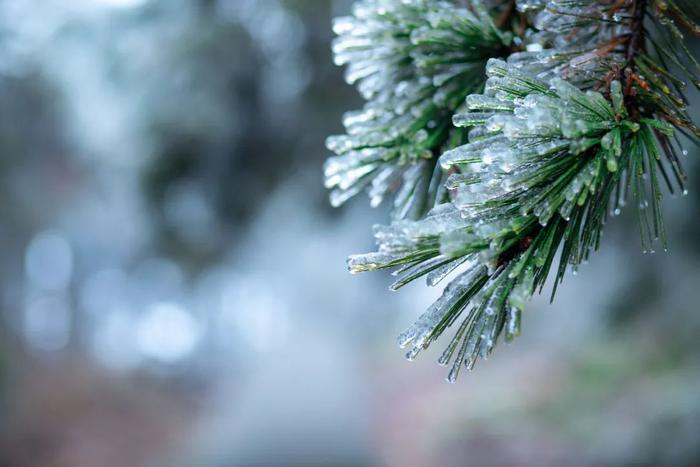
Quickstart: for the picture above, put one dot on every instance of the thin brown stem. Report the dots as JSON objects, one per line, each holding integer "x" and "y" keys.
{"x": 636, "y": 43}
{"x": 506, "y": 15}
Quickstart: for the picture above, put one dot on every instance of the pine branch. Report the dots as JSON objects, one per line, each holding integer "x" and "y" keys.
{"x": 583, "y": 115}
{"x": 415, "y": 62}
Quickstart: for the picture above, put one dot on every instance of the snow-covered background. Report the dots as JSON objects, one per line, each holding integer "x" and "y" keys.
{"x": 173, "y": 286}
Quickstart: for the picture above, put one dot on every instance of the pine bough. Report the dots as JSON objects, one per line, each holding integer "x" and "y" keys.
{"x": 507, "y": 132}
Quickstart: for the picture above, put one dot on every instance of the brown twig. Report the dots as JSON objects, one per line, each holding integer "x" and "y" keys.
{"x": 635, "y": 44}
{"x": 506, "y": 15}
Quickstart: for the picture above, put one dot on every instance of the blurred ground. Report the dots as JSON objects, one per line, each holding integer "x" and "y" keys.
{"x": 173, "y": 286}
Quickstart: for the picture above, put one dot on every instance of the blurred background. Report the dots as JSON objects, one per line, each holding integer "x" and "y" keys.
{"x": 173, "y": 285}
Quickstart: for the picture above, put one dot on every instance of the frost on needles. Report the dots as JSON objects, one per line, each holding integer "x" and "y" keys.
{"x": 507, "y": 133}
{"x": 414, "y": 62}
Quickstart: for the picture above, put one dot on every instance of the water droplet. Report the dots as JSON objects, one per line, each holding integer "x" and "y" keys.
{"x": 412, "y": 354}
{"x": 454, "y": 371}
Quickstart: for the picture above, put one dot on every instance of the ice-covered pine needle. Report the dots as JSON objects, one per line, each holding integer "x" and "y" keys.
{"x": 547, "y": 116}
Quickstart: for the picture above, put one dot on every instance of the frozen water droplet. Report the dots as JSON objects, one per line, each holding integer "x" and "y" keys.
{"x": 412, "y": 354}
{"x": 454, "y": 371}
